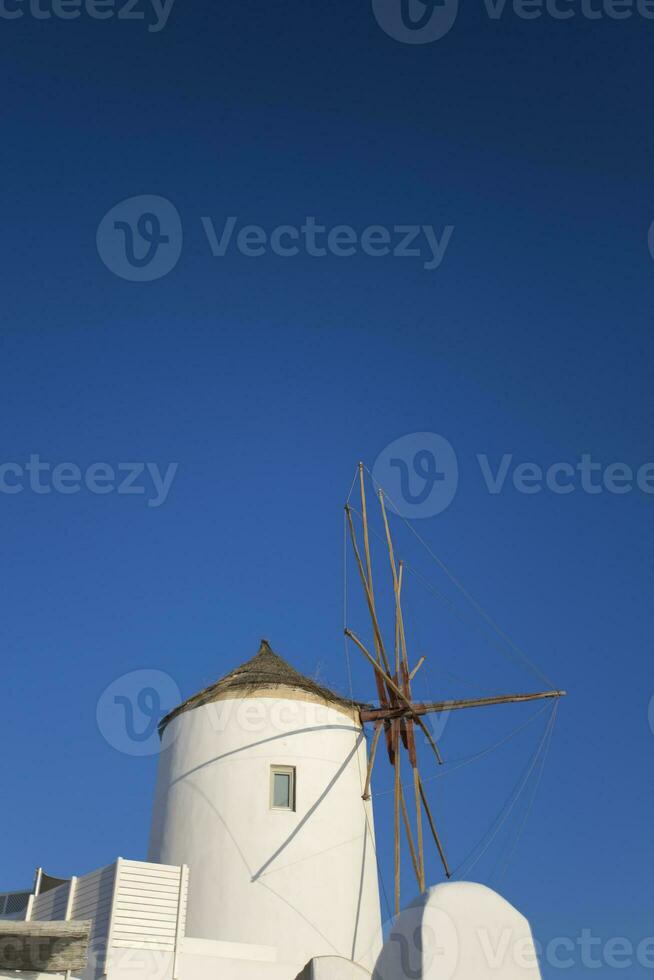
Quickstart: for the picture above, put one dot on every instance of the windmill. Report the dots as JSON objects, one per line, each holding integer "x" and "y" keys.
{"x": 398, "y": 715}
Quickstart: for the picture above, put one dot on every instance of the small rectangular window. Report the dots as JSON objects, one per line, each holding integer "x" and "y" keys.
{"x": 282, "y": 788}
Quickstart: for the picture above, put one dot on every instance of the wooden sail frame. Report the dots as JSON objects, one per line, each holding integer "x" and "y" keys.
{"x": 398, "y": 715}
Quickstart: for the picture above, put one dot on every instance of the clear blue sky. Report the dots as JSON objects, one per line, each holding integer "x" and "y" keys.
{"x": 267, "y": 378}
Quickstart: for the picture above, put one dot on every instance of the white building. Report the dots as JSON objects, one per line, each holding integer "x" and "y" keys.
{"x": 259, "y": 793}
{"x": 261, "y": 863}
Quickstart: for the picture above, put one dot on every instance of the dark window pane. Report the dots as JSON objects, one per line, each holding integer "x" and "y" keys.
{"x": 282, "y": 789}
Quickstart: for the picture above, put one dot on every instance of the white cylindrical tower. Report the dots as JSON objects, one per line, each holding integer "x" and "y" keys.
{"x": 259, "y": 793}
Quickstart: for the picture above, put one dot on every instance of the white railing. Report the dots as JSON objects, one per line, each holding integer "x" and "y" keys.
{"x": 132, "y": 905}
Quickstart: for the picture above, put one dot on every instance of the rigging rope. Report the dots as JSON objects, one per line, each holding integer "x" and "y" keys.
{"x": 466, "y": 617}
{"x": 452, "y": 765}
{"x": 505, "y": 811}
{"x": 453, "y": 608}
{"x": 459, "y": 585}
{"x": 507, "y": 647}
{"x": 530, "y": 804}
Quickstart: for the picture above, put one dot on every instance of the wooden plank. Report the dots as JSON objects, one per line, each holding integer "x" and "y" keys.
{"x": 71, "y": 897}
{"x": 397, "y": 794}
{"x": 432, "y": 826}
{"x": 418, "y": 708}
{"x": 154, "y": 906}
{"x": 409, "y": 837}
{"x": 365, "y": 715}
{"x": 44, "y": 946}
{"x": 150, "y": 866}
{"x": 93, "y": 908}
{"x": 96, "y": 895}
{"x": 145, "y": 929}
{"x": 381, "y": 692}
{"x": 94, "y": 876}
{"x": 143, "y": 944}
{"x": 163, "y": 916}
{"x": 141, "y": 891}
{"x": 396, "y": 587}
{"x": 168, "y": 876}
{"x": 421, "y": 849}
{"x": 63, "y": 929}
{"x": 369, "y": 597}
{"x": 150, "y": 888}
{"x": 162, "y": 899}
{"x": 125, "y": 915}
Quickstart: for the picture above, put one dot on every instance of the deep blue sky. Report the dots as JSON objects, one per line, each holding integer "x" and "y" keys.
{"x": 267, "y": 379}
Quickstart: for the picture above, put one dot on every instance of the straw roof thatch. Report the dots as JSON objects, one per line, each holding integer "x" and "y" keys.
{"x": 266, "y": 670}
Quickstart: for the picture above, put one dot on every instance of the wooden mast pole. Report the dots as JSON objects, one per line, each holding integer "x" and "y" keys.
{"x": 398, "y": 715}
{"x": 409, "y": 837}
{"x": 421, "y": 847}
{"x": 380, "y": 652}
{"x": 400, "y": 621}
{"x": 400, "y": 644}
{"x": 369, "y": 597}
{"x": 432, "y": 825}
{"x": 371, "y": 760}
{"x": 417, "y": 708}
{"x": 399, "y": 627}
{"x": 366, "y": 550}
{"x": 411, "y": 746}
{"x": 373, "y": 714}
{"x": 398, "y": 791}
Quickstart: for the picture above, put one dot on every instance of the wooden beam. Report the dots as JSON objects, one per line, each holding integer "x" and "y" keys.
{"x": 421, "y": 849}
{"x": 371, "y": 760}
{"x": 366, "y": 549}
{"x": 398, "y": 793}
{"x": 392, "y": 686}
{"x": 51, "y": 946}
{"x": 432, "y": 825}
{"x": 369, "y": 597}
{"x": 397, "y": 587}
{"x": 398, "y": 623}
{"x": 409, "y": 837}
{"x": 417, "y": 708}
{"x": 401, "y": 636}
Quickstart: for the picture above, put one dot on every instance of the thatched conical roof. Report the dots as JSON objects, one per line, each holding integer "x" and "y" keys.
{"x": 267, "y": 670}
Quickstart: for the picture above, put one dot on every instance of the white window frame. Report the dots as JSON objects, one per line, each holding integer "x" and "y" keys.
{"x": 283, "y": 771}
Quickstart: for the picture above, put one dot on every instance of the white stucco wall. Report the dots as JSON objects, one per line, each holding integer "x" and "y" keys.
{"x": 303, "y": 882}
{"x": 459, "y": 931}
{"x": 333, "y": 968}
{"x": 205, "y": 959}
